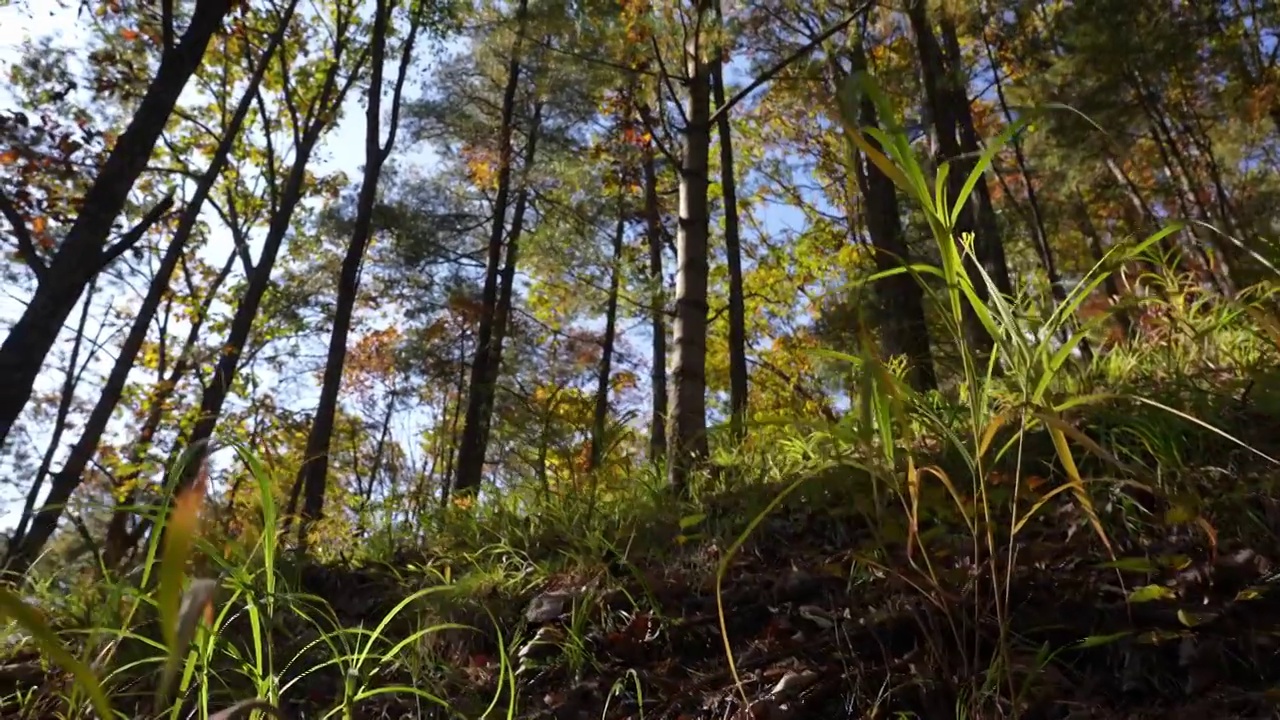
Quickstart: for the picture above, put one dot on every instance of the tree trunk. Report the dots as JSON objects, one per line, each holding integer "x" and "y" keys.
{"x": 119, "y": 540}
{"x": 19, "y": 559}
{"x": 215, "y": 394}
{"x": 687, "y": 443}
{"x": 315, "y": 465}
{"x": 988, "y": 243}
{"x": 459, "y": 393}
{"x": 506, "y": 282}
{"x": 948, "y": 105}
{"x": 1038, "y": 231}
{"x": 84, "y": 252}
{"x": 601, "y": 414}
{"x": 1197, "y": 242}
{"x": 69, "y": 478}
{"x": 732, "y": 247}
{"x": 480, "y": 393}
{"x": 1095, "y": 248}
{"x": 657, "y": 311}
{"x": 903, "y": 325}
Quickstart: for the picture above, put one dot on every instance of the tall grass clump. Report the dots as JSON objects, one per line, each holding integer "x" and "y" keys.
{"x": 209, "y": 643}
{"x": 973, "y": 461}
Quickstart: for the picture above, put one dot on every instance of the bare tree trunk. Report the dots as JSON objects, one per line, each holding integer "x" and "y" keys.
{"x": 85, "y": 252}
{"x": 738, "y": 378}
{"x": 1038, "y": 231}
{"x": 1109, "y": 283}
{"x": 1175, "y": 167}
{"x": 657, "y": 311}
{"x": 460, "y": 392}
{"x": 989, "y": 244}
{"x": 948, "y": 105}
{"x": 484, "y": 386}
{"x": 601, "y": 414}
{"x": 315, "y": 465}
{"x": 903, "y": 323}
{"x": 687, "y": 442}
{"x": 19, "y": 559}
{"x": 471, "y": 450}
{"x": 215, "y": 394}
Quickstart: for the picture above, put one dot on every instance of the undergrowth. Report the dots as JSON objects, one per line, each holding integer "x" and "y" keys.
{"x": 975, "y": 552}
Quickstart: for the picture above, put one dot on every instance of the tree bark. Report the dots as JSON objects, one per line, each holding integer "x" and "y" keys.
{"x": 18, "y": 559}
{"x": 601, "y": 410}
{"x": 215, "y": 395}
{"x": 948, "y": 105}
{"x": 1109, "y": 283}
{"x": 687, "y": 438}
{"x": 657, "y": 311}
{"x": 480, "y": 393}
{"x": 903, "y": 326}
{"x": 1038, "y": 231}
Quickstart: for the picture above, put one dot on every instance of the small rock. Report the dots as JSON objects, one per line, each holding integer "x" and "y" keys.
{"x": 793, "y": 683}
{"x": 547, "y": 607}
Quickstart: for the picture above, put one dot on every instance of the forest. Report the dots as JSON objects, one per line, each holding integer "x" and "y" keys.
{"x": 643, "y": 359}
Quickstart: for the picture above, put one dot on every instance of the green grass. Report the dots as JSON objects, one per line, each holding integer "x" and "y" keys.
{"x": 944, "y": 497}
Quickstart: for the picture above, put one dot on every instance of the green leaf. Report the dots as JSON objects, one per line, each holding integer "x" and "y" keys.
{"x": 1097, "y": 640}
{"x": 1133, "y": 564}
{"x": 1149, "y": 593}
{"x": 689, "y": 521}
{"x": 11, "y": 607}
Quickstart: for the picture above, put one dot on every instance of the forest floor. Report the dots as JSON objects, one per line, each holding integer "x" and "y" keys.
{"x": 1182, "y": 621}
{"x": 782, "y": 602}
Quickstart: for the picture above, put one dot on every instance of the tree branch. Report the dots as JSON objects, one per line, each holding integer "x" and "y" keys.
{"x": 166, "y": 20}
{"x": 781, "y": 65}
{"x": 132, "y": 237}
{"x": 666, "y": 81}
{"x": 26, "y": 247}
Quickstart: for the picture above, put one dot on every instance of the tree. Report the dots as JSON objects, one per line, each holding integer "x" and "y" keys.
{"x": 474, "y": 440}
{"x": 25, "y": 547}
{"x": 312, "y": 474}
{"x": 311, "y": 102}
{"x": 85, "y": 250}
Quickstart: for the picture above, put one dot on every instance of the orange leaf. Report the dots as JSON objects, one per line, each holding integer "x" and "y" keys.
{"x": 187, "y": 506}
{"x": 129, "y": 34}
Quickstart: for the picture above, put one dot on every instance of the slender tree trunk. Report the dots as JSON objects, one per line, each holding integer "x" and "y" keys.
{"x": 657, "y": 311}
{"x": 738, "y": 377}
{"x": 459, "y": 393}
{"x": 1038, "y": 231}
{"x": 69, "y": 478}
{"x": 471, "y": 450}
{"x": 506, "y": 283}
{"x": 1175, "y": 166}
{"x": 84, "y": 251}
{"x": 119, "y": 540}
{"x": 315, "y": 465}
{"x": 18, "y": 559}
{"x": 1109, "y": 284}
{"x": 903, "y": 323}
{"x": 215, "y": 394}
{"x": 601, "y": 414}
{"x": 948, "y": 105}
{"x": 687, "y": 443}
